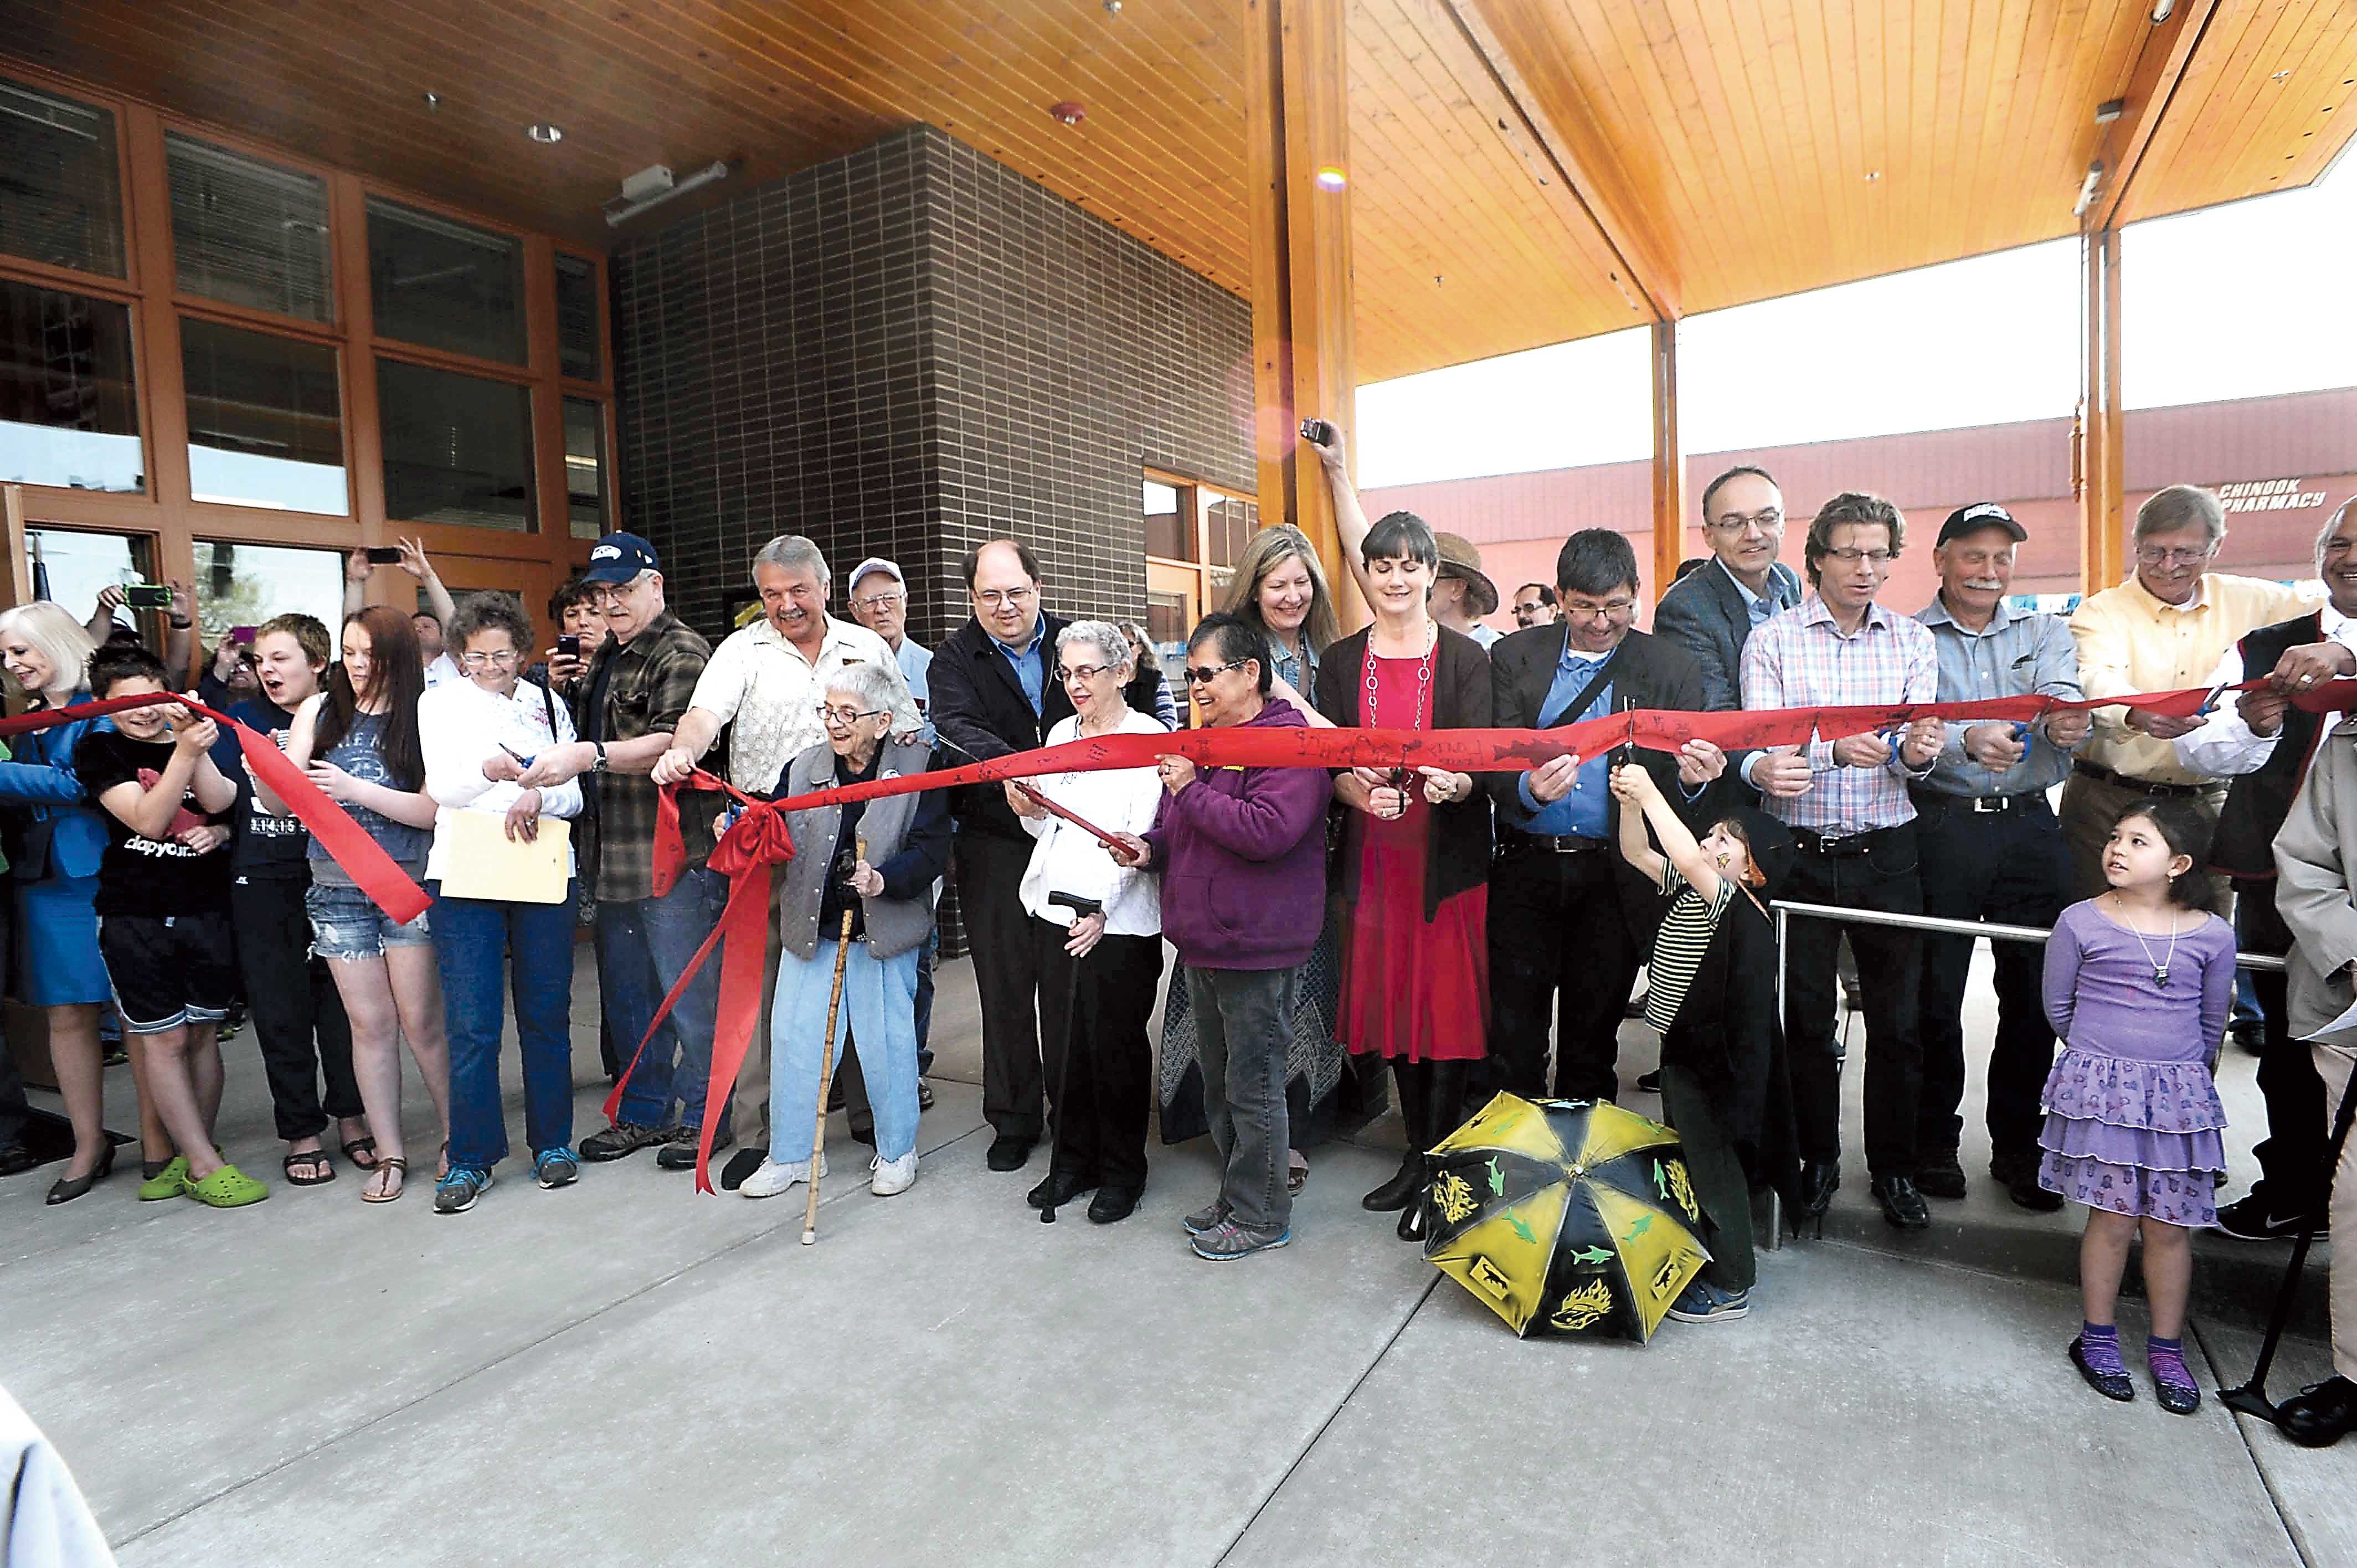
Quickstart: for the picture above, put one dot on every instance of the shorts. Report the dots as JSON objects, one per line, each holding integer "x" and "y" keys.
{"x": 168, "y": 970}
{"x": 346, "y": 923}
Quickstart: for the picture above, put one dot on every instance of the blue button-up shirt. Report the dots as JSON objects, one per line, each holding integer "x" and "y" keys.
{"x": 2013, "y": 656}
{"x": 1581, "y": 810}
{"x": 1759, "y": 606}
{"x": 916, "y": 663}
{"x": 1031, "y": 669}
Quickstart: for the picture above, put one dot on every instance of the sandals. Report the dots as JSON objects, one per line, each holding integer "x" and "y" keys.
{"x": 357, "y": 1148}
{"x": 374, "y": 1192}
{"x": 318, "y": 1169}
{"x": 1297, "y": 1172}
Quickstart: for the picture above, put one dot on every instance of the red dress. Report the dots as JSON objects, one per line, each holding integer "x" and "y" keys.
{"x": 1412, "y": 989}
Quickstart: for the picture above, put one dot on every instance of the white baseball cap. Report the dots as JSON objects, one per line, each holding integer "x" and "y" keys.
{"x": 877, "y": 563}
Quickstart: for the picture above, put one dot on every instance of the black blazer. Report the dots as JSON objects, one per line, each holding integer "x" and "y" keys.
{"x": 976, "y": 705}
{"x": 1457, "y": 856}
{"x": 1704, "y": 613}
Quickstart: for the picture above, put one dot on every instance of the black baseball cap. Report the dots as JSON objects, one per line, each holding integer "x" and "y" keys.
{"x": 619, "y": 557}
{"x": 1979, "y": 515}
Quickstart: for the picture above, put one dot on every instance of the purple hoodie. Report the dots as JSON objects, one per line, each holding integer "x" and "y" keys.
{"x": 1242, "y": 856}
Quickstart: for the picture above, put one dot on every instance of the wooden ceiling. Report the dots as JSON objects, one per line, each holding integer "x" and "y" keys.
{"x": 1732, "y": 150}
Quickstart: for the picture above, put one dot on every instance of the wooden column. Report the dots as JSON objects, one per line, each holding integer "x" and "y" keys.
{"x": 1296, "y": 128}
{"x": 2103, "y": 468}
{"x": 1669, "y": 462}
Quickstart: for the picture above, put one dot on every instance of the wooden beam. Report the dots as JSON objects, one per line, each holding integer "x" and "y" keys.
{"x": 1296, "y": 124}
{"x": 2160, "y": 65}
{"x": 1669, "y": 462}
{"x": 2101, "y": 474}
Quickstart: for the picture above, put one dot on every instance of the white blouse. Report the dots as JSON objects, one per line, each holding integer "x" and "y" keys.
{"x": 1067, "y": 859}
{"x": 460, "y": 727}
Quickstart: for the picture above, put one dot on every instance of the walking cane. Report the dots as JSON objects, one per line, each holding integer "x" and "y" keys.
{"x": 2251, "y": 1399}
{"x": 1081, "y": 909}
{"x": 827, "y": 1066}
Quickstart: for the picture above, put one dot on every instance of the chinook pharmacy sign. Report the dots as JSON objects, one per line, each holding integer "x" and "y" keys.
{"x": 2269, "y": 495}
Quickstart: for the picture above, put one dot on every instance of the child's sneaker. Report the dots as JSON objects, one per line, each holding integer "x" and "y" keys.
{"x": 556, "y": 1167}
{"x": 228, "y": 1187}
{"x": 169, "y": 1182}
{"x": 1702, "y": 1302}
{"x": 456, "y": 1193}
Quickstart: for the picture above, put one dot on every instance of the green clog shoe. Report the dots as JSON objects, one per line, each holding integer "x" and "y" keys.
{"x": 169, "y": 1182}
{"x": 228, "y": 1187}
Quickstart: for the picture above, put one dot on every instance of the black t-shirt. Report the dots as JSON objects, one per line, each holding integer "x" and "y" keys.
{"x": 269, "y": 846}
{"x": 139, "y": 875}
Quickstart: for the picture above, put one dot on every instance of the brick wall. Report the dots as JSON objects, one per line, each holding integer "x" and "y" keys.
{"x": 906, "y": 351}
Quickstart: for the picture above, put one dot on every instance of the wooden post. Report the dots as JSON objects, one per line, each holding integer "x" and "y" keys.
{"x": 2103, "y": 467}
{"x": 1669, "y": 462}
{"x": 1298, "y": 146}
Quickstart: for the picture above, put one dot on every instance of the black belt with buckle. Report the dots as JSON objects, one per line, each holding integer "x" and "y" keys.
{"x": 1550, "y": 843}
{"x": 2142, "y": 786}
{"x": 1838, "y": 844}
{"x": 1978, "y": 804}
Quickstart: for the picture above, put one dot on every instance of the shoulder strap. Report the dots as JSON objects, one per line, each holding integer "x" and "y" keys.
{"x": 1587, "y": 693}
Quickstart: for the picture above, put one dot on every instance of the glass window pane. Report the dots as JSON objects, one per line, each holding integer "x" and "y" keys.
{"x": 585, "y": 465}
{"x": 266, "y": 420}
{"x": 444, "y": 285}
{"x": 60, "y": 200}
{"x": 456, "y": 448}
{"x": 69, "y": 568}
{"x": 68, "y": 415}
{"x": 247, "y": 232}
{"x": 576, "y": 317}
{"x": 246, "y": 585}
{"x": 1165, "y": 535}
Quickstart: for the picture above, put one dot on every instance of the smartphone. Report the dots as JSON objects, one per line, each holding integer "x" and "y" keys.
{"x": 147, "y": 596}
{"x": 383, "y": 555}
{"x": 1318, "y": 432}
{"x": 569, "y": 644}
{"x": 243, "y": 634}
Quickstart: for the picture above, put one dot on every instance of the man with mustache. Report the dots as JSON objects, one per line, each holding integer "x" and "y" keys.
{"x": 1990, "y": 849}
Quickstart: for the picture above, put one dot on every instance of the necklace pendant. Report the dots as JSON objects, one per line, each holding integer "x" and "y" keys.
{"x": 2160, "y": 975}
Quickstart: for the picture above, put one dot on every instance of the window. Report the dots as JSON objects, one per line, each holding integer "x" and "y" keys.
{"x": 60, "y": 197}
{"x": 1167, "y": 534}
{"x": 456, "y": 448}
{"x": 1228, "y": 521}
{"x": 246, "y": 585}
{"x": 69, "y": 568}
{"x": 577, "y": 317}
{"x": 246, "y": 232}
{"x": 585, "y": 465}
{"x": 265, "y": 423}
{"x": 445, "y": 286}
{"x": 68, "y": 415}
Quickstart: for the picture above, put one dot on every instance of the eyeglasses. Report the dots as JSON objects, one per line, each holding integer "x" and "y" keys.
{"x": 845, "y": 717}
{"x": 1735, "y": 523}
{"x": 505, "y": 660}
{"x": 1610, "y": 610}
{"x": 996, "y": 598}
{"x": 879, "y": 601}
{"x": 2150, "y": 556}
{"x": 604, "y": 596}
{"x": 1850, "y": 556}
{"x": 1204, "y": 677}
{"x": 1082, "y": 672}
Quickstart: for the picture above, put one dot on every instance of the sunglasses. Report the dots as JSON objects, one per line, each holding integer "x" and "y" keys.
{"x": 1204, "y": 677}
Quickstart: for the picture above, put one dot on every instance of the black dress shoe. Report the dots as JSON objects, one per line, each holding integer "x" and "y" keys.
{"x": 1010, "y": 1151}
{"x": 1401, "y": 1190}
{"x": 741, "y": 1164}
{"x": 1901, "y": 1204}
{"x": 1820, "y": 1179}
{"x": 2026, "y": 1194}
{"x": 1939, "y": 1175}
{"x": 1650, "y": 1082}
{"x": 679, "y": 1155}
{"x": 2320, "y": 1414}
{"x": 1114, "y": 1204}
{"x": 16, "y": 1159}
{"x": 67, "y": 1189}
{"x": 2111, "y": 1385}
{"x": 1057, "y": 1188}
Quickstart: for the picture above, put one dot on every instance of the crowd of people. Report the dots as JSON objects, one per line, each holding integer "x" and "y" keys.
{"x": 1497, "y": 924}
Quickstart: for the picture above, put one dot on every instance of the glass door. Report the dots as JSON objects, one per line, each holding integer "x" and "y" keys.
{"x": 1173, "y": 606}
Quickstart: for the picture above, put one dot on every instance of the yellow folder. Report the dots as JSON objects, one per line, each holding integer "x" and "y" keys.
{"x": 479, "y": 860}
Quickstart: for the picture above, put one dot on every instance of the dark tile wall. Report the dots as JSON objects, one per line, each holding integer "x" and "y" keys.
{"x": 907, "y": 351}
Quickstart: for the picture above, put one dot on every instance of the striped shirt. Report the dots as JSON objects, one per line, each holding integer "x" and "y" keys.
{"x": 1679, "y": 945}
{"x": 1800, "y": 659}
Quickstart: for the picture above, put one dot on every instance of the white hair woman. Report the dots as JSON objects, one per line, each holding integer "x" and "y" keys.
{"x": 1099, "y": 971}
{"x": 888, "y": 893}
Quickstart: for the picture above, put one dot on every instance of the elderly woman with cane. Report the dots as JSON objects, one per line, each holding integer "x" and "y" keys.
{"x": 1098, "y": 972}
{"x": 882, "y": 898}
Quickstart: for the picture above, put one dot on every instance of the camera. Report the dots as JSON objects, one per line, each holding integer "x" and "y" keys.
{"x": 1318, "y": 432}
{"x": 568, "y": 644}
{"x": 383, "y": 555}
{"x": 147, "y": 596}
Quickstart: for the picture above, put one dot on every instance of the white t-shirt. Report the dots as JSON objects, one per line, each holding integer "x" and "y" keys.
{"x": 1067, "y": 859}
{"x": 441, "y": 667}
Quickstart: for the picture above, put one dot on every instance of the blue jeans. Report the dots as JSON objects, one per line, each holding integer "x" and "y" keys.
{"x": 879, "y": 998}
{"x": 926, "y": 956}
{"x": 643, "y": 946}
{"x": 473, "y": 939}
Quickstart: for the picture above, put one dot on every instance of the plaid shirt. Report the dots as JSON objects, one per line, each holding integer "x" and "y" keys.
{"x": 652, "y": 683}
{"x": 1800, "y": 660}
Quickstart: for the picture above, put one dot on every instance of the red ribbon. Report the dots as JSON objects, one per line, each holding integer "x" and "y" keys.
{"x": 370, "y": 868}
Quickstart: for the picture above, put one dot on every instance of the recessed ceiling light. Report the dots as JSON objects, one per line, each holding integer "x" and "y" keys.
{"x": 1872, "y": 174}
{"x": 546, "y": 135}
{"x": 1331, "y": 178}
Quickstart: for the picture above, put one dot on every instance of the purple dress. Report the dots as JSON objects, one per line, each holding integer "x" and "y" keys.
{"x": 2132, "y": 1114}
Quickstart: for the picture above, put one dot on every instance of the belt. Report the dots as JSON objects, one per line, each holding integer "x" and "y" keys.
{"x": 2142, "y": 786}
{"x": 1980, "y": 803}
{"x": 1550, "y": 843}
{"x": 1836, "y": 845}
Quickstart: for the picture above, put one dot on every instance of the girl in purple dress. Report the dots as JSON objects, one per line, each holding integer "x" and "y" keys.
{"x": 2138, "y": 983}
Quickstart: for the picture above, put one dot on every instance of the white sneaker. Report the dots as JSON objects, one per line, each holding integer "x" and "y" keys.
{"x": 892, "y": 1176}
{"x": 774, "y": 1178}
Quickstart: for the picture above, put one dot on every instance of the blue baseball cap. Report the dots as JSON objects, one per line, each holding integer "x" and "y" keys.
{"x": 619, "y": 557}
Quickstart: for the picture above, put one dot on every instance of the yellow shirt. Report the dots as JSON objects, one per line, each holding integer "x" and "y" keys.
{"x": 2130, "y": 641}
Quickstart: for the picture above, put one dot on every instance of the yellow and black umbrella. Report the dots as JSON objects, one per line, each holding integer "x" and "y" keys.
{"x": 1564, "y": 1216}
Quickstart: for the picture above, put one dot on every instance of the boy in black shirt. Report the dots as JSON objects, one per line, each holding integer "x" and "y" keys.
{"x": 163, "y": 911}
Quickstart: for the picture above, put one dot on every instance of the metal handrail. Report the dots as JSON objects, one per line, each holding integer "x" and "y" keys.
{"x": 2267, "y": 962}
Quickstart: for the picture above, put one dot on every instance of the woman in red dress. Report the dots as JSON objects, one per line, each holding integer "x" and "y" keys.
{"x": 1415, "y": 853}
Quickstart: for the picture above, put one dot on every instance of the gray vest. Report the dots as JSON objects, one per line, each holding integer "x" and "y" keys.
{"x": 894, "y": 925}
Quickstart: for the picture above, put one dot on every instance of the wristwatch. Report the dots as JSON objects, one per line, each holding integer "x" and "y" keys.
{"x": 599, "y": 765}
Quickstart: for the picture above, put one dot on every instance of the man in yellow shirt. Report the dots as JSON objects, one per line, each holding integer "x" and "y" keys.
{"x": 2163, "y": 630}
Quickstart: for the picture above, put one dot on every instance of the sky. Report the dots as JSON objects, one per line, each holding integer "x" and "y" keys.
{"x": 2243, "y": 300}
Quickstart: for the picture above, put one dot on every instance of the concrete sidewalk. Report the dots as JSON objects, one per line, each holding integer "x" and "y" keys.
{"x": 626, "y": 1372}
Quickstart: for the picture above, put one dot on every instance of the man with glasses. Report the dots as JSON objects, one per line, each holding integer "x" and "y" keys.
{"x": 633, "y": 696}
{"x": 1712, "y": 611}
{"x": 994, "y": 693}
{"x": 1853, "y": 827}
{"x": 2163, "y": 630}
{"x": 764, "y": 683}
{"x": 1534, "y": 605}
{"x": 1563, "y": 905}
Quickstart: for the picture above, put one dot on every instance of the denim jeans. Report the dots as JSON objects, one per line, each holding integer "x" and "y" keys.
{"x": 878, "y": 1011}
{"x": 926, "y": 956}
{"x": 473, "y": 941}
{"x": 1243, "y": 1023}
{"x": 643, "y": 946}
